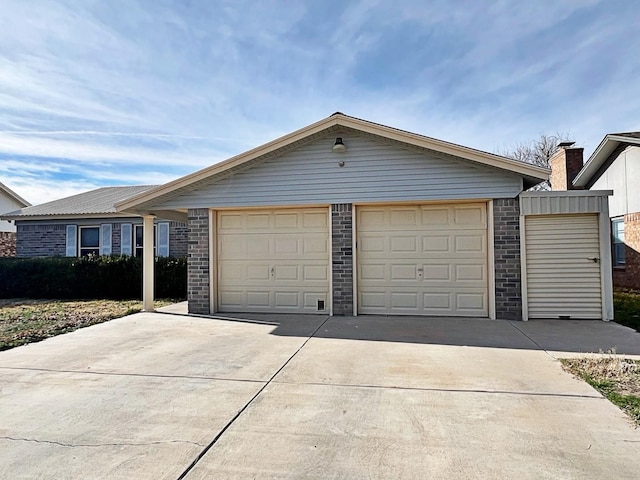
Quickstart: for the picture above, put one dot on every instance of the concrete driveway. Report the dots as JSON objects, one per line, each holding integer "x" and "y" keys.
{"x": 161, "y": 396}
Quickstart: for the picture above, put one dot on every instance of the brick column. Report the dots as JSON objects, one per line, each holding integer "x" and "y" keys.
{"x": 342, "y": 258}
{"x": 198, "y": 287}
{"x": 506, "y": 239}
{"x": 7, "y": 244}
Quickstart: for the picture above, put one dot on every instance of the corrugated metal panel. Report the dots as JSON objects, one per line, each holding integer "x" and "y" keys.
{"x": 562, "y": 278}
{"x": 561, "y": 203}
{"x": 372, "y": 171}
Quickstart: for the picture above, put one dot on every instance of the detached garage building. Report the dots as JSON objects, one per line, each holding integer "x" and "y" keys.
{"x": 348, "y": 217}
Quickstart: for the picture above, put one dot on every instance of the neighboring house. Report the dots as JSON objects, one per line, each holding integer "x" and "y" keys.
{"x": 615, "y": 165}
{"x": 9, "y": 200}
{"x": 88, "y": 224}
{"x": 349, "y": 217}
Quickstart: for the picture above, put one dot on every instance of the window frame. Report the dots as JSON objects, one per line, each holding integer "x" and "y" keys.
{"x": 134, "y": 242}
{"x": 95, "y": 250}
{"x": 618, "y": 245}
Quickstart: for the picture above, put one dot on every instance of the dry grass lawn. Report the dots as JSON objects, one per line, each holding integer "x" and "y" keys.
{"x": 617, "y": 378}
{"x": 25, "y": 321}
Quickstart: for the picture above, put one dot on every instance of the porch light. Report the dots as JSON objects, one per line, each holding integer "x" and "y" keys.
{"x": 339, "y": 147}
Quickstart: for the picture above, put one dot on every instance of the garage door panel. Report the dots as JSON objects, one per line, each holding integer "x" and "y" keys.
{"x": 562, "y": 280}
{"x": 436, "y": 243}
{"x": 408, "y": 300}
{"x": 273, "y": 260}
{"x": 417, "y": 259}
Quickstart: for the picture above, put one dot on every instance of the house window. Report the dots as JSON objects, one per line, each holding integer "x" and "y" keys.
{"x": 89, "y": 241}
{"x": 138, "y": 240}
{"x": 617, "y": 230}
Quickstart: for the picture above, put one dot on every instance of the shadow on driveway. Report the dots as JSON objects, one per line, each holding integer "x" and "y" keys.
{"x": 577, "y": 336}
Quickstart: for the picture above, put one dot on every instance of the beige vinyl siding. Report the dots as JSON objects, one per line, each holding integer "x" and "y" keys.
{"x": 373, "y": 171}
{"x": 273, "y": 260}
{"x": 562, "y": 278}
{"x": 423, "y": 260}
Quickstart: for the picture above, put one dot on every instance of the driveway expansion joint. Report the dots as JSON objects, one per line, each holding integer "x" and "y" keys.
{"x": 85, "y": 445}
{"x": 251, "y": 400}
{"x": 595, "y": 396}
{"x": 125, "y": 374}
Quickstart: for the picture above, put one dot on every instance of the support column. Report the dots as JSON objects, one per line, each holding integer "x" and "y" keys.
{"x": 198, "y": 262}
{"x": 342, "y": 258}
{"x": 147, "y": 263}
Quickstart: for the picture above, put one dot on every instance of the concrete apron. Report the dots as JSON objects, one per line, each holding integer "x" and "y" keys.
{"x": 168, "y": 396}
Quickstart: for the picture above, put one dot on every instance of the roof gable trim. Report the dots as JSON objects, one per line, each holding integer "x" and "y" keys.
{"x": 339, "y": 120}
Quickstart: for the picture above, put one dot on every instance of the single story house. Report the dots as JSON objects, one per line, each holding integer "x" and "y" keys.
{"x": 615, "y": 165}
{"x": 9, "y": 200}
{"x": 350, "y": 217}
{"x": 88, "y": 224}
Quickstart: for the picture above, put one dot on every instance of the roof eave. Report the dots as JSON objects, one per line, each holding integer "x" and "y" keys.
{"x": 66, "y": 216}
{"x": 14, "y": 195}
{"x": 600, "y": 155}
{"x": 526, "y": 170}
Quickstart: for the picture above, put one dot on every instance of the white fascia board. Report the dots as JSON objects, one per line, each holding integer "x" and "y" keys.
{"x": 600, "y": 155}
{"x": 344, "y": 121}
{"x": 569, "y": 193}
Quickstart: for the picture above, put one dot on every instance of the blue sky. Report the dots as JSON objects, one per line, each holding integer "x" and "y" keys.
{"x": 96, "y": 93}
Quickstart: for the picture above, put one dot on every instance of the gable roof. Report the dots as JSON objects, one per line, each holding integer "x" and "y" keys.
{"x": 592, "y": 169}
{"x": 13, "y": 195}
{"x": 96, "y": 202}
{"x": 337, "y": 122}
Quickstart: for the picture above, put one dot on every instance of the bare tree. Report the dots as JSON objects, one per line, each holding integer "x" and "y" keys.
{"x": 537, "y": 152}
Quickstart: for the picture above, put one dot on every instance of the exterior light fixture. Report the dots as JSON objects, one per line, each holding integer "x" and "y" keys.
{"x": 339, "y": 147}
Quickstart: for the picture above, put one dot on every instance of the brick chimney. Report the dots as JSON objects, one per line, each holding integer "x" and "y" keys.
{"x": 565, "y": 164}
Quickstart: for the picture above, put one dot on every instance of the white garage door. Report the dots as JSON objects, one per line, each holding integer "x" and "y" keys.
{"x": 423, "y": 260}
{"x": 273, "y": 261}
{"x": 563, "y": 269}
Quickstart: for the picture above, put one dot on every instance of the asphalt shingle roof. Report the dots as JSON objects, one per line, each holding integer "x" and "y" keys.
{"x": 99, "y": 201}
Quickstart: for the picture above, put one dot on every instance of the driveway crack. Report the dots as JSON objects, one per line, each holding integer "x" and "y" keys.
{"x": 251, "y": 400}
{"x": 84, "y": 445}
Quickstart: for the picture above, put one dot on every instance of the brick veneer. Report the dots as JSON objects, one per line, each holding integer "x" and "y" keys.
{"x": 629, "y": 276}
{"x": 7, "y": 244}
{"x": 506, "y": 239}
{"x": 198, "y": 262}
{"x": 40, "y": 240}
{"x": 342, "y": 258}
{"x": 178, "y": 239}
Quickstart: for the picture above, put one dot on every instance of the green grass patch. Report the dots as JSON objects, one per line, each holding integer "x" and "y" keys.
{"x": 627, "y": 308}
{"x": 26, "y": 321}
{"x": 616, "y": 378}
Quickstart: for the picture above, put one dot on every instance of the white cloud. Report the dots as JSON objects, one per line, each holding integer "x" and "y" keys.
{"x": 91, "y": 96}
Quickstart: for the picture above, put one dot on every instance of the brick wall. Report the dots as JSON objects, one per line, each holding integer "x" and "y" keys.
{"x": 178, "y": 239}
{"x": 506, "y": 224}
{"x": 629, "y": 276}
{"x": 7, "y": 244}
{"x": 198, "y": 287}
{"x": 342, "y": 258}
{"x": 40, "y": 240}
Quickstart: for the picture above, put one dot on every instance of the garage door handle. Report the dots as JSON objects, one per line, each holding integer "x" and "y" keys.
{"x": 594, "y": 259}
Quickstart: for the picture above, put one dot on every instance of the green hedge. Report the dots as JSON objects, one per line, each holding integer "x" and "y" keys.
{"x": 113, "y": 277}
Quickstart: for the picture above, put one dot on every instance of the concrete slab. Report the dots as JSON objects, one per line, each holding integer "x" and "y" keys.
{"x": 366, "y": 397}
{"x": 159, "y": 344}
{"x": 73, "y": 425}
{"x": 581, "y": 336}
{"x": 333, "y": 432}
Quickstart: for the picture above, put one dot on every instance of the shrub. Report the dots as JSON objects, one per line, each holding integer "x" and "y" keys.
{"x": 109, "y": 277}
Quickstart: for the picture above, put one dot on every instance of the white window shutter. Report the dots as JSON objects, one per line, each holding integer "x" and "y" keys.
{"x": 105, "y": 239}
{"x": 125, "y": 238}
{"x": 72, "y": 241}
{"x": 163, "y": 239}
